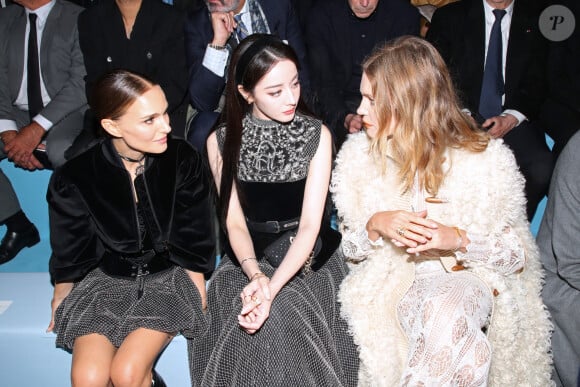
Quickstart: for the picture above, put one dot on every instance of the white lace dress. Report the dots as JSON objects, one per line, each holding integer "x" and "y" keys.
{"x": 445, "y": 315}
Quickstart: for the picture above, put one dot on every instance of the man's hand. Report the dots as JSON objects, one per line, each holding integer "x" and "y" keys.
{"x": 353, "y": 123}
{"x": 499, "y": 126}
{"x": 223, "y": 24}
{"x": 8, "y": 136}
{"x": 19, "y": 148}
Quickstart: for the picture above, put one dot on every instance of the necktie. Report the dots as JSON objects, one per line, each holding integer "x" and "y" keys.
{"x": 33, "y": 81}
{"x": 492, "y": 87}
{"x": 241, "y": 30}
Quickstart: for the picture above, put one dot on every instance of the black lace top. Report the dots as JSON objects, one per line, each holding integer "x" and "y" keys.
{"x": 272, "y": 171}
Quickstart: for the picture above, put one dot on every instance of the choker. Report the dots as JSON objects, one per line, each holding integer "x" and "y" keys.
{"x": 130, "y": 159}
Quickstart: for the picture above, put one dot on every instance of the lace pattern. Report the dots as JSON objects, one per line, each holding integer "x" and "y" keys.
{"x": 275, "y": 152}
{"x": 355, "y": 244}
{"x": 504, "y": 253}
{"x": 443, "y": 315}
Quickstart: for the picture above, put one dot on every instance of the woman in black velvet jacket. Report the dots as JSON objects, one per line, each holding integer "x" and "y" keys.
{"x": 131, "y": 240}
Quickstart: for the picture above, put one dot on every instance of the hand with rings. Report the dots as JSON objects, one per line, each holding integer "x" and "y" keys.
{"x": 402, "y": 228}
{"x": 254, "y": 312}
{"x": 401, "y": 231}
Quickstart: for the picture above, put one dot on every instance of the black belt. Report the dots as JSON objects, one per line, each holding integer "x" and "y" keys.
{"x": 273, "y": 226}
{"x": 134, "y": 265}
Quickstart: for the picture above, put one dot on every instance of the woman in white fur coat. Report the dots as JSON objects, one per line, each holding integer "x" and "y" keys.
{"x": 445, "y": 280}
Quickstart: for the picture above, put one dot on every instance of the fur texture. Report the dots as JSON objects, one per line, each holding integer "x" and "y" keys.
{"x": 485, "y": 194}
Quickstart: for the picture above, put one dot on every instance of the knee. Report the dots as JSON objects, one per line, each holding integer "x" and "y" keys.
{"x": 89, "y": 375}
{"x": 540, "y": 173}
{"x": 126, "y": 374}
{"x": 467, "y": 299}
{"x": 55, "y": 150}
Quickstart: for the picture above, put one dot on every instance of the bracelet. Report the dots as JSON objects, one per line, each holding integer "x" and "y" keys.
{"x": 217, "y": 47}
{"x": 459, "y": 238}
{"x": 257, "y": 274}
{"x": 246, "y": 259}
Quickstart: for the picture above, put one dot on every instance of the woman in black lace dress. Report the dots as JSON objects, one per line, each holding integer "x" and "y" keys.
{"x": 274, "y": 317}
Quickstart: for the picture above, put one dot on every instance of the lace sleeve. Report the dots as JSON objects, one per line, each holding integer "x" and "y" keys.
{"x": 503, "y": 253}
{"x": 355, "y": 244}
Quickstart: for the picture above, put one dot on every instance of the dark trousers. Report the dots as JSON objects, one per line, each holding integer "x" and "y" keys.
{"x": 536, "y": 162}
{"x": 200, "y": 127}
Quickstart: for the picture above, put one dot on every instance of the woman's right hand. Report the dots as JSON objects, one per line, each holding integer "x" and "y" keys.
{"x": 61, "y": 291}
{"x": 402, "y": 228}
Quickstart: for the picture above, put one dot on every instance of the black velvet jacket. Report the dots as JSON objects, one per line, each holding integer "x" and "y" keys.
{"x": 92, "y": 210}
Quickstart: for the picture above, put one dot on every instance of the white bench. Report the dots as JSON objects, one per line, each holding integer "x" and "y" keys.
{"x": 28, "y": 355}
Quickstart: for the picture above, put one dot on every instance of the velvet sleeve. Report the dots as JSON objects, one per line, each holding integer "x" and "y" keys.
{"x": 192, "y": 239}
{"x": 76, "y": 248}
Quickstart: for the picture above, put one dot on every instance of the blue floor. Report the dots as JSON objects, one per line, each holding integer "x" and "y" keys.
{"x": 31, "y": 190}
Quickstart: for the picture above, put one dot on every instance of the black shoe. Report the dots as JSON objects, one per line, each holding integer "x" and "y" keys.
{"x": 13, "y": 242}
{"x": 157, "y": 380}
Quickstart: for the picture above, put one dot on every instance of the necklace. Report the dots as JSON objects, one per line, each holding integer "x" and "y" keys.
{"x": 140, "y": 167}
{"x": 130, "y": 159}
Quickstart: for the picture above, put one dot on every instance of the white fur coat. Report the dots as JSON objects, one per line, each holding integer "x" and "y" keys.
{"x": 484, "y": 194}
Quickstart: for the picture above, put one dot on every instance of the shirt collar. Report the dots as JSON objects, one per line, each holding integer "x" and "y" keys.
{"x": 489, "y": 10}
{"x": 245, "y": 8}
{"x": 42, "y": 12}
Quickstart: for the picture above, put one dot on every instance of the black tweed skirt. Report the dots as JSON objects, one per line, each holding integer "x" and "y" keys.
{"x": 110, "y": 306}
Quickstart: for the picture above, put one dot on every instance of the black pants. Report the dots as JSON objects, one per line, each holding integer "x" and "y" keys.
{"x": 536, "y": 162}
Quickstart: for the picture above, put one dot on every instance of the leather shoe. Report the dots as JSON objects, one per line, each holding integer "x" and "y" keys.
{"x": 14, "y": 241}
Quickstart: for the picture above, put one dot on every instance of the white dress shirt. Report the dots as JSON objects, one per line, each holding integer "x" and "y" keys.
{"x": 217, "y": 60}
{"x": 22, "y": 99}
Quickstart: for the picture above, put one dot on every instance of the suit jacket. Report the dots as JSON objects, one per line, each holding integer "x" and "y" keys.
{"x": 156, "y": 49}
{"x": 329, "y": 43}
{"x": 92, "y": 209}
{"x": 205, "y": 87}
{"x": 458, "y": 32}
{"x": 61, "y": 60}
{"x": 558, "y": 240}
{"x": 561, "y": 110}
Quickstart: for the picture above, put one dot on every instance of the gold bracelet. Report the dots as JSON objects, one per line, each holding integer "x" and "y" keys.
{"x": 459, "y": 238}
{"x": 246, "y": 259}
{"x": 257, "y": 274}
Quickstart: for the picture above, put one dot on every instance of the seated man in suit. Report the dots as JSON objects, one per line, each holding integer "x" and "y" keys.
{"x": 340, "y": 34}
{"x": 558, "y": 240}
{"x": 497, "y": 56}
{"x": 212, "y": 32}
{"x": 42, "y": 100}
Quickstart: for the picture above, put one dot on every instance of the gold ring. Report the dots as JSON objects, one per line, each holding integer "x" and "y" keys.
{"x": 401, "y": 231}
{"x": 256, "y": 300}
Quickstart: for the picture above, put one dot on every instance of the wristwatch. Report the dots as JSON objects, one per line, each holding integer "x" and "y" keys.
{"x": 216, "y": 47}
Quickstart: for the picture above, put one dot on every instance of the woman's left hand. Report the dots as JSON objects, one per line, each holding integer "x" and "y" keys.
{"x": 61, "y": 291}
{"x": 252, "y": 318}
{"x": 256, "y": 301}
{"x": 443, "y": 238}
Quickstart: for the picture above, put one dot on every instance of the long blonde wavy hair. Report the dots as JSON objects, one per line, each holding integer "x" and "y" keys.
{"x": 412, "y": 86}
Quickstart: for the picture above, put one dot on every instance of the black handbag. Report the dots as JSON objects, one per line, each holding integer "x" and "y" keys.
{"x": 276, "y": 251}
